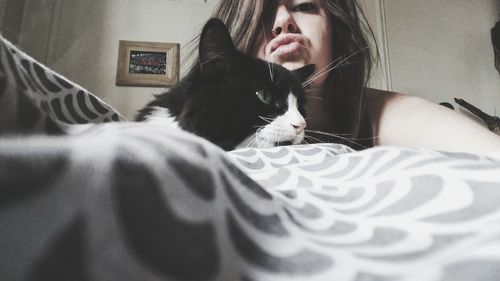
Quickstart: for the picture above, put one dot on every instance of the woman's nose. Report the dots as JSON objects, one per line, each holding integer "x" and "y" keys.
{"x": 284, "y": 22}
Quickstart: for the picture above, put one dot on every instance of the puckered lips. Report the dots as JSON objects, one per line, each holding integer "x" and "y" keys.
{"x": 285, "y": 44}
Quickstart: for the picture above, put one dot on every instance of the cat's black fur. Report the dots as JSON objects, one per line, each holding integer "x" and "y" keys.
{"x": 217, "y": 100}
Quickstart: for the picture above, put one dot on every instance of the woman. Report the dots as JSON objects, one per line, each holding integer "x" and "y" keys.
{"x": 294, "y": 33}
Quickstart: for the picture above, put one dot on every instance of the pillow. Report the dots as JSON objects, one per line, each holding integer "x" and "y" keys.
{"x": 35, "y": 99}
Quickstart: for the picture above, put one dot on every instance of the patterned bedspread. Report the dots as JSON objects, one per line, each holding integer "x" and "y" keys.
{"x": 387, "y": 213}
{"x": 129, "y": 201}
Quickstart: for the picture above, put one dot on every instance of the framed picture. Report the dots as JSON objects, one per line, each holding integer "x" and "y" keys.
{"x": 147, "y": 64}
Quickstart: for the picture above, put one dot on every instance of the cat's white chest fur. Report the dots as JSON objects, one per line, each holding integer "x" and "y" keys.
{"x": 162, "y": 116}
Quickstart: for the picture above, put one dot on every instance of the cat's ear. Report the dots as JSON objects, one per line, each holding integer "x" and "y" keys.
{"x": 216, "y": 48}
{"x": 304, "y": 72}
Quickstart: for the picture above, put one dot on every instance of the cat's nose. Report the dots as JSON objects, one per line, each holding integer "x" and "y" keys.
{"x": 299, "y": 126}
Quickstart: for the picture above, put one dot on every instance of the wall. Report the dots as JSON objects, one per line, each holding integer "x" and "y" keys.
{"x": 374, "y": 12}
{"x": 81, "y": 39}
{"x": 11, "y": 12}
{"x": 438, "y": 50}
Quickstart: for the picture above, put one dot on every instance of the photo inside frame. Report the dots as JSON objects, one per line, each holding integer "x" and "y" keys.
{"x": 148, "y": 63}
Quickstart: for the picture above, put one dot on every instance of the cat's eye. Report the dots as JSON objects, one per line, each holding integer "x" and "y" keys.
{"x": 264, "y": 96}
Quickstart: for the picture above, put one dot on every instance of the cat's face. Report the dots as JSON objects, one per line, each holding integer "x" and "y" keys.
{"x": 276, "y": 100}
{"x": 259, "y": 103}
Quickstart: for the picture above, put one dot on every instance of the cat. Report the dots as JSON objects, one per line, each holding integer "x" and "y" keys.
{"x": 234, "y": 100}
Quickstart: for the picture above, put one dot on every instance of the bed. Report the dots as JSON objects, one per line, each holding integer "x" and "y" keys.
{"x": 86, "y": 195}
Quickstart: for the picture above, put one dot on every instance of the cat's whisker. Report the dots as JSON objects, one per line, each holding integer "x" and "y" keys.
{"x": 328, "y": 67}
{"x": 266, "y": 119}
{"x": 323, "y": 133}
{"x": 252, "y": 141}
{"x": 349, "y": 140}
{"x": 312, "y": 138}
{"x": 260, "y": 144}
{"x": 282, "y": 134}
{"x": 255, "y": 139}
{"x": 259, "y": 129}
{"x": 322, "y": 72}
{"x": 325, "y": 67}
{"x": 258, "y": 138}
{"x": 337, "y": 66}
{"x": 342, "y": 65}
{"x": 269, "y": 65}
{"x": 338, "y": 135}
{"x": 313, "y": 90}
{"x": 249, "y": 143}
{"x": 282, "y": 75}
{"x": 304, "y": 141}
{"x": 313, "y": 97}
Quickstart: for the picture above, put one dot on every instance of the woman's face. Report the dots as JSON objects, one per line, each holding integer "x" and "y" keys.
{"x": 297, "y": 33}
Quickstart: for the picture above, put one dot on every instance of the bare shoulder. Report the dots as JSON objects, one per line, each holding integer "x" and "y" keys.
{"x": 404, "y": 120}
{"x": 376, "y": 98}
{"x": 380, "y": 104}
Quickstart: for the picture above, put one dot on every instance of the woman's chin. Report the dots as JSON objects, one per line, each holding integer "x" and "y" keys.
{"x": 290, "y": 60}
{"x": 292, "y": 65}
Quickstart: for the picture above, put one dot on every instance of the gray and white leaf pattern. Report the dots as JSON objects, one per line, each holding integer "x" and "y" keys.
{"x": 387, "y": 213}
{"x": 36, "y": 99}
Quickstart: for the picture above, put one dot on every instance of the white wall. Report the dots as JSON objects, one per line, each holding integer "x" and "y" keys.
{"x": 83, "y": 39}
{"x": 439, "y": 49}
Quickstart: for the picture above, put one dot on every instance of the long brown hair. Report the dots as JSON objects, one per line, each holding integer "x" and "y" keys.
{"x": 351, "y": 34}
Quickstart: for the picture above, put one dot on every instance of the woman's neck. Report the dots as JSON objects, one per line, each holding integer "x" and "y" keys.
{"x": 319, "y": 117}
{"x": 322, "y": 118}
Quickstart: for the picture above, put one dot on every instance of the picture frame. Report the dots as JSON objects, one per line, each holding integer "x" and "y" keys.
{"x": 147, "y": 64}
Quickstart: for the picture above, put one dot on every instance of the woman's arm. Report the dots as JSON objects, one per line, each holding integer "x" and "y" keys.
{"x": 404, "y": 120}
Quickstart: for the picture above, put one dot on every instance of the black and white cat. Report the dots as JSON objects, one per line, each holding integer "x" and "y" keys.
{"x": 234, "y": 100}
